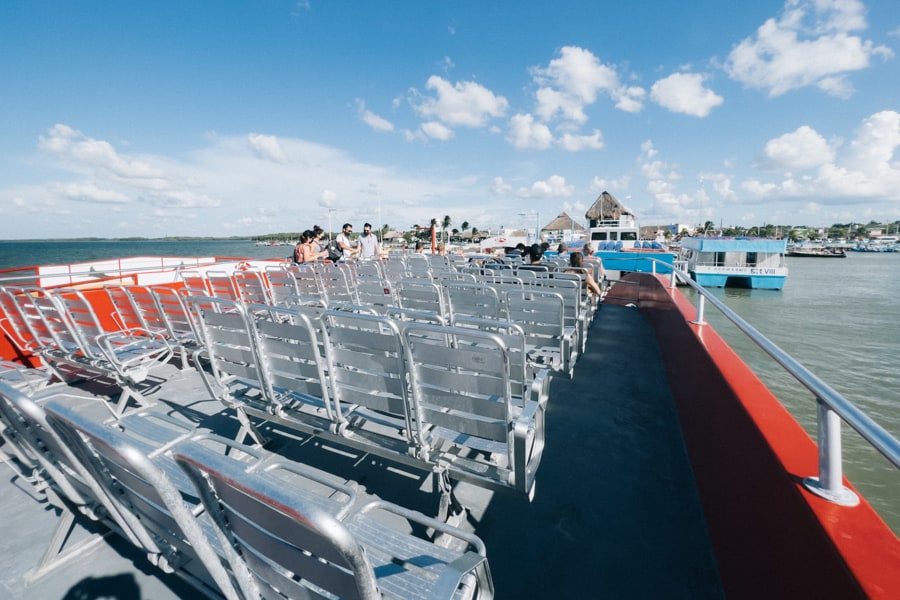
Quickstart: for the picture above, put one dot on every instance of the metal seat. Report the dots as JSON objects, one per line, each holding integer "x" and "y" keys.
{"x": 296, "y": 549}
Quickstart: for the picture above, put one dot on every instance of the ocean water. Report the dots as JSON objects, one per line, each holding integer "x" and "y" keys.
{"x": 841, "y": 319}
{"x": 838, "y": 317}
{"x": 50, "y": 252}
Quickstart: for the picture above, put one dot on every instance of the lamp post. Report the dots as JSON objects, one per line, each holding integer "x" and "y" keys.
{"x": 330, "y": 212}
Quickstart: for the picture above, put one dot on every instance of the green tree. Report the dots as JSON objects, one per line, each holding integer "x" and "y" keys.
{"x": 445, "y": 223}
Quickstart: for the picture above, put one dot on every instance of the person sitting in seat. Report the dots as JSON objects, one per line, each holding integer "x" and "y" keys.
{"x": 576, "y": 261}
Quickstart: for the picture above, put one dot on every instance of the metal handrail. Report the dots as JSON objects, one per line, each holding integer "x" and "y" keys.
{"x": 832, "y": 407}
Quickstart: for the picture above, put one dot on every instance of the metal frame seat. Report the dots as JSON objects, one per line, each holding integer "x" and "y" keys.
{"x": 541, "y": 314}
{"x": 296, "y": 549}
{"x": 468, "y": 418}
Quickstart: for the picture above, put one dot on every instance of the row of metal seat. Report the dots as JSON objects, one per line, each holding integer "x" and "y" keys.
{"x": 62, "y": 328}
{"x": 233, "y": 520}
{"x": 453, "y": 400}
{"x": 451, "y": 296}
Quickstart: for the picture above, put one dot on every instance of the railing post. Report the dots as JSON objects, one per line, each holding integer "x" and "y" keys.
{"x": 830, "y": 482}
{"x": 701, "y": 305}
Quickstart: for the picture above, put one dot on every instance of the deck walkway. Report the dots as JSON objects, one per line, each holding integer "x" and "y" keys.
{"x": 616, "y": 512}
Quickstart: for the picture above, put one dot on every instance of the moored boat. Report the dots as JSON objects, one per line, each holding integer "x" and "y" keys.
{"x": 756, "y": 263}
{"x": 681, "y": 479}
{"x": 816, "y": 252}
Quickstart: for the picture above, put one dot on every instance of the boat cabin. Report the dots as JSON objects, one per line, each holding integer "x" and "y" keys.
{"x": 735, "y": 262}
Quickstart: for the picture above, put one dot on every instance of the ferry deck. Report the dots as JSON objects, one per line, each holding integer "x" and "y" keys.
{"x": 616, "y": 510}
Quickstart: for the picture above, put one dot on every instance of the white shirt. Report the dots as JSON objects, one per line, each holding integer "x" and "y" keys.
{"x": 368, "y": 246}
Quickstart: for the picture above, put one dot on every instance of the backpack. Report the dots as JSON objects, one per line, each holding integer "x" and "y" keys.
{"x": 335, "y": 252}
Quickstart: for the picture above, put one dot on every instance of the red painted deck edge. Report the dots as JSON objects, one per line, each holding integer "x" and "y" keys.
{"x": 771, "y": 536}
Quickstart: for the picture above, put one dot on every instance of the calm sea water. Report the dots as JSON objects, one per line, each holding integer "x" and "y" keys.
{"x": 25, "y": 253}
{"x": 839, "y": 317}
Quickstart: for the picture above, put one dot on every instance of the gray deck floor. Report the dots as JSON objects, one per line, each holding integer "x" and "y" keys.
{"x": 615, "y": 512}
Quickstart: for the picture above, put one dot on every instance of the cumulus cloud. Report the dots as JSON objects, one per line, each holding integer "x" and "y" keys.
{"x": 89, "y": 192}
{"x": 464, "y": 104}
{"x": 72, "y": 145}
{"x": 527, "y": 134}
{"x": 865, "y": 170}
{"x": 576, "y": 143}
{"x": 804, "y": 148}
{"x": 553, "y": 187}
{"x": 371, "y": 119}
{"x": 500, "y": 187}
{"x": 266, "y": 147}
{"x": 574, "y": 80}
{"x": 685, "y": 93}
{"x": 810, "y": 44}
{"x": 437, "y": 131}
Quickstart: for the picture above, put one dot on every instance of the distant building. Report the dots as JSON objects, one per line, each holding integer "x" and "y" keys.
{"x": 562, "y": 227}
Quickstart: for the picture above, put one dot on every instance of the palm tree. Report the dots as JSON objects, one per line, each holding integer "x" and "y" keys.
{"x": 444, "y": 225}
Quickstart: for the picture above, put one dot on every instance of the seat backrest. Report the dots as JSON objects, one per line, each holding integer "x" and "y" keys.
{"x": 251, "y": 288}
{"x": 36, "y": 440}
{"x": 17, "y": 325}
{"x": 221, "y": 285}
{"x": 421, "y": 294}
{"x": 335, "y": 285}
{"x": 140, "y": 492}
{"x": 228, "y": 339}
{"x": 540, "y": 313}
{"x": 460, "y": 386}
{"x": 513, "y": 337}
{"x": 279, "y": 532}
{"x": 82, "y": 319}
{"x": 179, "y": 325}
{"x": 54, "y": 321}
{"x": 282, "y": 283}
{"x": 471, "y": 300}
{"x": 125, "y": 313}
{"x": 194, "y": 283}
{"x": 375, "y": 291}
{"x": 366, "y": 366}
{"x": 289, "y": 355}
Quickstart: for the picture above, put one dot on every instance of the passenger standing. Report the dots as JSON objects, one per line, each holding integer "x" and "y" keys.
{"x": 309, "y": 251}
{"x": 343, "y": 239}
{"x": 369, "y": 248}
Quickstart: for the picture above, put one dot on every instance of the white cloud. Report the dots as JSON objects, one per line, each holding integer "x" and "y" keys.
{"x": 437, "y": 131}
{"x": 810, "y": 44}
{"x": 866, "y": 170}
{"x": 267, "y": 147}
{"x": 371, "y": 119}
{"x": 89, "y": 192}
{"x": 527, "y": 134}
{"x": 573, "y": 81}
{"x": 804, "y": 148}
{"x": 500, "y": 187}
{"x": 72, "y": 145}
{"x": 466, "y": 104}
{"x": 553, "y": 187}
{"x": 576, "y": 143}
{"x": 684, "y": 93}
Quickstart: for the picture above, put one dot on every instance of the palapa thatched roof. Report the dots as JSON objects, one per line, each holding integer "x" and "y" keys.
{"x": 606, "y": 207}
{"x": 563, "y": 223}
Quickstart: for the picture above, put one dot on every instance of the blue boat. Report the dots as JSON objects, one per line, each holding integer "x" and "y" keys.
{"x": 756, "y": 263}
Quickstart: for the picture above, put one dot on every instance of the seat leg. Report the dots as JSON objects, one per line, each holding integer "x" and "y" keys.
{"x": 450, "y": 509}
{"x": 249, "y": 429}
{"x": 55, "y": 555}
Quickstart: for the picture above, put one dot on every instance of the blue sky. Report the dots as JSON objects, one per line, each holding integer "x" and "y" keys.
{"x": 233, "y": 118}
